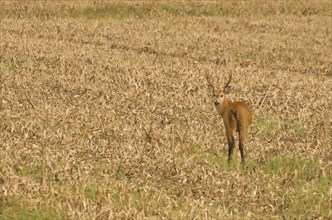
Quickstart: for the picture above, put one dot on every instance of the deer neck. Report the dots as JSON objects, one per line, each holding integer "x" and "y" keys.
{"x": 224, "y": 106}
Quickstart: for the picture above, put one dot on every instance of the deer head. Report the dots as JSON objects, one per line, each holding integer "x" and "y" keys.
{"x": 219, "y": 93}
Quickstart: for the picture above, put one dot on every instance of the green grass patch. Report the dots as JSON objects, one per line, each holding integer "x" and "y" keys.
{"x": 91, "y": 190}
{"x": 115, "y": 196}
{"x": 90, "y": 193}
{"x": 17, "y": 208}
{"x": 304, "y": 169}
{"x": 119, "y": 199}
{"x": 176, "y": 10}
{"x": 300, "y": 201}
{"x": 118, "y": 10}
{"x": 267, "y": 125}
{"x": 299, "y": 129}
{"x": 274, "y": 165}
{"x": 234, "y": 164}
{"x": 33, "y": 174}
{"x": 220, "y": 161}
{"x": 113, "y": 11}
{"x": 304, "y": 186}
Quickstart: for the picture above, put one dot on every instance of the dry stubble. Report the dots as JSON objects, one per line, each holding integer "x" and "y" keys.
{"x": 104, "y": 117}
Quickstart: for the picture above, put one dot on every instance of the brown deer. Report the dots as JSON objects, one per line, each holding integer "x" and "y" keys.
{"x": 236, "y": 115}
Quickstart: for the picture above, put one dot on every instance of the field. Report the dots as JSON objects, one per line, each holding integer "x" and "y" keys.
{"x": 104, "y": 111}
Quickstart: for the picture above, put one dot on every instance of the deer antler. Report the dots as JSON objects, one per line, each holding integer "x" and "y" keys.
{"x": 229, "y": 80}
{"x": 208, "y": 81}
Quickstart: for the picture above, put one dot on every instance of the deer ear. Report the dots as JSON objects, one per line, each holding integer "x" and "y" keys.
{"x": 227, "y": 89}
{"x": 209, "y": 89}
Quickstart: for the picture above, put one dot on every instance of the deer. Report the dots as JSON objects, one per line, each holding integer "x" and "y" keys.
{"x": 236, "y": 115}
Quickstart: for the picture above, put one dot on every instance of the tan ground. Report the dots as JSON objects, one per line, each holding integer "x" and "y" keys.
{"x": 104, "y": 111}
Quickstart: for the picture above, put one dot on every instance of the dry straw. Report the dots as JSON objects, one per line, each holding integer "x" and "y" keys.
{"x": 104, "y": 112}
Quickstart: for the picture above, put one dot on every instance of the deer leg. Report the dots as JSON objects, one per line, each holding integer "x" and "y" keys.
{"x": 230, "y": 151}
{"x": 230, "y": 132}
{"x": 242, "y": 137}
{"x": 230, "y": 147}
{"x": 241, "y": 145}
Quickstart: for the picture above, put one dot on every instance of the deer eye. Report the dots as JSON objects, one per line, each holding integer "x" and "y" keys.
{"x": 221, "y": 96}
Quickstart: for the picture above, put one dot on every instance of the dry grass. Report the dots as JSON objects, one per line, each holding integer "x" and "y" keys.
{"x": 104, "y": 112}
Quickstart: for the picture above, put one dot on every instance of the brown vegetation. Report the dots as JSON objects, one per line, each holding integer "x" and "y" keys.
{"x": 104, "y": 111}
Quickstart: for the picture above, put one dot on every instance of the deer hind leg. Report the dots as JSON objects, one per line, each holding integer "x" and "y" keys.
{"x": 231, "y": 143}
{"x": 241, "y": 146}
{"x": 242, "y": 142}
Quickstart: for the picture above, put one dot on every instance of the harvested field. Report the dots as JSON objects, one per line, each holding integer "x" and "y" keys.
{"x": 104, "y": 111}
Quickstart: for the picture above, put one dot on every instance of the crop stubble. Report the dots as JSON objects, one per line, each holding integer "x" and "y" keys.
{"x": 106, "y": 117}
